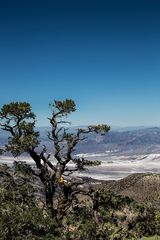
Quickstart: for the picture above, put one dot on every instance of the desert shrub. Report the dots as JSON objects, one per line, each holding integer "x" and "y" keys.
{"x": 151, "y": 238}
{"x": 21, "y": 218}
{"x": 116, "y": 218}
{"x": 127, "y": 219}
{"x": 113, "y": 217}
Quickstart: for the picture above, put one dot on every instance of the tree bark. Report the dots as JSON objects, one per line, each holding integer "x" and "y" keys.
{"x": 49, "y": 192}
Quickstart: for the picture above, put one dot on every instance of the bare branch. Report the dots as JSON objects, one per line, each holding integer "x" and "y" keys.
{"x": 49, "y": 136}
{"x": 60, "y": 129}
{"x": 63, "y": 122}
{"x": 8, "y": 128}
{"x": 67, "y": 172}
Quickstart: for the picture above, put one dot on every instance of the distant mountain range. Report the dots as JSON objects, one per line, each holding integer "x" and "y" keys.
{"x": 144, "y": 140}
{"x": 133, "y": 140}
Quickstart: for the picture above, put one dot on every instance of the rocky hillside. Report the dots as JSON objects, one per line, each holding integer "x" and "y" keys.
{"x": 144, "y": 188}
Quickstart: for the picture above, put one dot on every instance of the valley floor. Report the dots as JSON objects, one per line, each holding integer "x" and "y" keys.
{"x": 113, "y": 167}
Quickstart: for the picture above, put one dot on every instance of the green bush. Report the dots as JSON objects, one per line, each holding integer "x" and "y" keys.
{"x": 24, "y": 218}
{"x": 21, "y": 218}
{"x": 151, "y": 238}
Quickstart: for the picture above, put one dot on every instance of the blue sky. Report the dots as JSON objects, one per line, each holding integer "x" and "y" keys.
{"x": 103, "y": 54}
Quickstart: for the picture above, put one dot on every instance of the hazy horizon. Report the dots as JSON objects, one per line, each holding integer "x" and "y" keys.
{"x": 112, "y": 126}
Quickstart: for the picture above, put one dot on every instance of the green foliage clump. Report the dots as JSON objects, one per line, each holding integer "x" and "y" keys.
{"x": 151, "y": 238}
{"x": 21, "y": 217}
{"x": 127, "y": 218}
{"x": 105, "y": 216}
{"x": 116, "y": 217}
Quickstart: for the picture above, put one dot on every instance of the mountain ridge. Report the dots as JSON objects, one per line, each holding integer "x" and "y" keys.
{"x": 137, "y": 141}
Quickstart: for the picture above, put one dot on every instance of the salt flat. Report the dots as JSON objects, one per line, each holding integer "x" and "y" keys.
{"x": 113, "y": 167}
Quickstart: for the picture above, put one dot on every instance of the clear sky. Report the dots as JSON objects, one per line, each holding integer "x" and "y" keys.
{"x": 103, "y": 54}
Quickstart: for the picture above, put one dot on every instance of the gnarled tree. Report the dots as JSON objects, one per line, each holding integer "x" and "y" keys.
{"x": 18, "y": 119}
